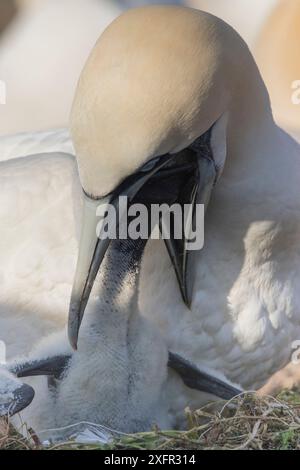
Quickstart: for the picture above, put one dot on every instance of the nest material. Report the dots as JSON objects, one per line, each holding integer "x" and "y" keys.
{"x": 10, "y": 439}
{"x": 246, "y": 422}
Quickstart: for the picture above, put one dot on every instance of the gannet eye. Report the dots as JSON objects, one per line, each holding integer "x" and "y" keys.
{"x": 150, "y": 164}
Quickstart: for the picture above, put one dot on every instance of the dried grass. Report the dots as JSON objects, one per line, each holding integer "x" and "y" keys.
{"x": 246, "y": 422}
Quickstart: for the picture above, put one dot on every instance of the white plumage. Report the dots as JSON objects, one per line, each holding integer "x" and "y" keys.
{"x": 24, "y": 144}
{"x": 37, "y": 257}
{"x": 245, "y": 310}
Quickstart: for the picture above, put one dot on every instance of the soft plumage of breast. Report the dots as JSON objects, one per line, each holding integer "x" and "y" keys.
{"x": 245, "y": 310}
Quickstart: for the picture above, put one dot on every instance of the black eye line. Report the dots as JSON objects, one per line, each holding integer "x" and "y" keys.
{"x": 133, "y": 177}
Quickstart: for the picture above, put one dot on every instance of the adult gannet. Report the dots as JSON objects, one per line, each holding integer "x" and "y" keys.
{"x": 277, "y": 52}
{"x": 157, "y": 80}
{"x": 192, "y": 82}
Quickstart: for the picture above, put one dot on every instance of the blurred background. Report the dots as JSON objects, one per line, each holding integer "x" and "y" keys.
{"x": 44, "y": 44}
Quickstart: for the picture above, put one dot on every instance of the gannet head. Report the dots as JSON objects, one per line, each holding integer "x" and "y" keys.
{"x": 151, "y": 86}
{"x": 166, "y": 89}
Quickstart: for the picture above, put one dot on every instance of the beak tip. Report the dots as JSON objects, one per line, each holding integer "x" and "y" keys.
{"x": 73, "y": 340}
{"x": 74, "y": 322}
{"x": 187, "y": 301}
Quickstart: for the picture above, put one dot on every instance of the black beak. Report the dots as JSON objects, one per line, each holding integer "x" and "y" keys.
{"x": 15, "y": 398}
{"x": 195, "y": 378}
